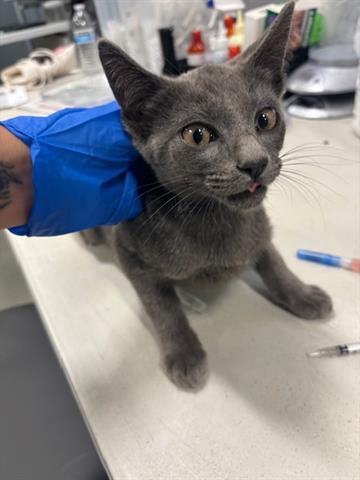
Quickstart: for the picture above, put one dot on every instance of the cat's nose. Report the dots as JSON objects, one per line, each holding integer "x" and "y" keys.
{"x": 253, "y": 169}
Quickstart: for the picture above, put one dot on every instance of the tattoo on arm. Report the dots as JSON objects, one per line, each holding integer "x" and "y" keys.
{"x": 7, "y": 176}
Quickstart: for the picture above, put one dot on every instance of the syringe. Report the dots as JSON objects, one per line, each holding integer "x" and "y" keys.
{"x": 336, "y": 350}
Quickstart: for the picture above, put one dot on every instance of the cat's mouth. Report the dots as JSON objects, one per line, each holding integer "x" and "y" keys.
{"x": 252, "y": 195}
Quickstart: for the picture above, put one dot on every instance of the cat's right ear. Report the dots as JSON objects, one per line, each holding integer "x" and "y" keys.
{"x": 269, "y": 52}
{"x": 130, "y": 83}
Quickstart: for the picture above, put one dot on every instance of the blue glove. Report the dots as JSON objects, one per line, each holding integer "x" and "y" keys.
{"x": 85, "y": 170}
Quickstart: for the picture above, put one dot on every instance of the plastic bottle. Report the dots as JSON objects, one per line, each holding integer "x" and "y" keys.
{"x": 218, "y": 44}
{"x": 85, "y": 39}
{"x": 237, "y": 39}
{"x": 196, "y": 52}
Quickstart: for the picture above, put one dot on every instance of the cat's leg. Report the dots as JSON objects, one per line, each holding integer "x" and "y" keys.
{"x": 305, "y": 301}
{"x": 92, "y": 236}
{"x": 183, "y": 356}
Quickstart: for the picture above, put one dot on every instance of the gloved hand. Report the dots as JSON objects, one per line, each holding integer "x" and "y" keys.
{"x": 85, "y": 169}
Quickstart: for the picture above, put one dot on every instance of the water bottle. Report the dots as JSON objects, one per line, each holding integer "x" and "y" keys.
{"x": 85, "y": 39}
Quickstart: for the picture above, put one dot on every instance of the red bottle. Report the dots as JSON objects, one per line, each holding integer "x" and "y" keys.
{"x": 229, "y": 22}
{"x": 196, "y": 51}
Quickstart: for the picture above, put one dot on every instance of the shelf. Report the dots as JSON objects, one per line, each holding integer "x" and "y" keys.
{"x": 34, "y": 32}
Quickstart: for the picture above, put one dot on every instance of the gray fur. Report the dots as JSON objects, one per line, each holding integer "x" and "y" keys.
{"x": 193, "y": 226}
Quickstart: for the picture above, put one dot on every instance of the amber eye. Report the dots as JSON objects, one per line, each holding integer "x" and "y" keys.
{"x": 266, "y": 119}
{"x": 197, "y": 135}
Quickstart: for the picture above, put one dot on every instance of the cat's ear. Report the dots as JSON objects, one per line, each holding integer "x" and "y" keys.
{"x": 269, "y": 52}
{"x": 131, "y": 84}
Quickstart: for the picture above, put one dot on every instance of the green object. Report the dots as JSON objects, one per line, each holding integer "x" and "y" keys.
{"x": 308, "y": 24}
{"x": 317, "y": 30}
{"x": 270, "y": 18}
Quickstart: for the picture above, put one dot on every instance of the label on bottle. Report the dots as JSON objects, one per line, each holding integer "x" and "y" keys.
{"x": 84, "y": 37}
{"x": 195, "y": 59}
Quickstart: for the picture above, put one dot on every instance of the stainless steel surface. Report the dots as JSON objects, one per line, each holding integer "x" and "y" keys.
{"x": 320, "y": 107}
{"x": 34, "y": 32}
{"x": 315, "y": 79}
{"x": 55, "y": 10}
{"x": 334, "y": 55}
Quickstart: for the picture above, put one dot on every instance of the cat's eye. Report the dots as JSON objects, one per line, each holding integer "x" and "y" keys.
{"x": 266, "y": 119}
{"x": 197, "y": 135}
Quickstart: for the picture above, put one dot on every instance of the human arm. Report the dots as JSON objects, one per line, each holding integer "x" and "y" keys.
{"x": 16, "y": 189}
{"x": 84, "y": 169}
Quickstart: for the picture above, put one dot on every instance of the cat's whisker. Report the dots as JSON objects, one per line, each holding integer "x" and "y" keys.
{"x": 161, "y": 206}
{"x": 295, "y": 183}
{"x": 282, "y": 188}
{"x": 204, "y": 218}
{"x": 310, "y": 147}
{"x": 158, "y": 197}
{"x": 319, "y": 155}
{"x": 187, "y": 217}
{"x": 302, "y": 146}
{"x": 206, "y": 206}
{"x": 288, "y": 187}
{"x": 174, "y": 179}
{"x": 314, "y": 180}
{"x": 203, "y": 204}
{"x": 170, "y": 182}
{"x": 306, "y": 192}
{"x": 163, "y": 219}
{"x": 316, "y": 165}
{"x": 138, "y": 197}
{"x": 178, "y": 236}
{"x": 177, "y": 203}
{"x": 308, "y": 187}
{"x": 303, "y": 194}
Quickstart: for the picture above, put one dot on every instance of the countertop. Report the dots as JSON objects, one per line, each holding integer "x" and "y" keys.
{"x": 268, "y": 411}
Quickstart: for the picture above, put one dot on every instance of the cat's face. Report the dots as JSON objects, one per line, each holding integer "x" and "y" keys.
{"x": 215, "y": 132}
{"x": 218, "y": 133}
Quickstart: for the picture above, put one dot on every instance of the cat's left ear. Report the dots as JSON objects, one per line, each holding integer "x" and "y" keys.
{"x": 269, "y": 52}
{"x": 133, "y": 86}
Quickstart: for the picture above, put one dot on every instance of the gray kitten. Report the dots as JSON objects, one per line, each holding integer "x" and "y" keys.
{"x": 211, "y": 140}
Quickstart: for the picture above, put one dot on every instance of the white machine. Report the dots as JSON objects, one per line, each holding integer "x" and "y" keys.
{"x": 324, "y": 86}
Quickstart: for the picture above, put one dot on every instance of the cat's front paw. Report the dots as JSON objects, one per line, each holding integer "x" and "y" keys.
{"x": 310, "y": 302}
{"x": 187, "y": 369}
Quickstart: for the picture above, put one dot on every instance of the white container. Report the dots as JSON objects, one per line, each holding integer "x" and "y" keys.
{"x": 218, "y": 46}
